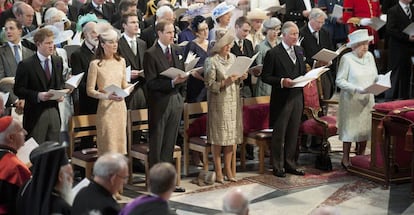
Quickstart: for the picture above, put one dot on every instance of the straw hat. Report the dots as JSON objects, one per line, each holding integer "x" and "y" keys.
{"x": 220, "y": 10}
{"x": 222, "y": 39}
{"x": 257, "y": 13}
{"x": 358, "y": 36}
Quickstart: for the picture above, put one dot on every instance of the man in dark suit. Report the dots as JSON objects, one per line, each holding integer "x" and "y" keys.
{"x": 99, "y": 8}
{"x": 243, "y": 47}
{"x": 79, "y": 60}
{"x": 149, "y": 34}
{"x": 401, "y": 48}
{"x": 298, "y": 11}
{"x": 165, "y": 95}
{"x": 35, "y": 76}
{"x": 132, "y": 49}
{"x": 11, "y": 53}
{"x": 282, "y": 64}
{"x": 316, "y": 38}
{"x": 126, "y": 7}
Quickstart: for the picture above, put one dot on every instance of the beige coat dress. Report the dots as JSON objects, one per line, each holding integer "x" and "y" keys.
{"x": 111, "y": 115}
{"x": 224, "y": 125}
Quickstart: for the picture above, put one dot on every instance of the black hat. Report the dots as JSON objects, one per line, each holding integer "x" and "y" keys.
{"x": 49, "y": 147}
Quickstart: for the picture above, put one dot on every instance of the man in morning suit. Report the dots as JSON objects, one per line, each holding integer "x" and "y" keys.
{"x": 401, "y": 48}
{"x": 298, "y": 11}
{"x": 99, "y": 8}
{"x": 244, "y": 47}
{"x": 132, "y": 49}
{"x": 79, "y": 60}
{"x": 35, "y": 76}
{"x": 282, "y": 64}
{"x": 316, "y": 38}
{"x": 165, "y": 95}
{"x": 11, "y": 53}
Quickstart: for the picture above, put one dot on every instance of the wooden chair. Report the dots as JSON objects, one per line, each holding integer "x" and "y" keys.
{"x": 254, "y": 134}
{"x": 194, "y": 142}
{"x": 192, "y": 112}
{"x": 138, "y": 121}
{"x": 82, "y": 126}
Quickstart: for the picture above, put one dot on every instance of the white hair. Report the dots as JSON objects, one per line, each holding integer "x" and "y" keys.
{"x": 109, "y": 164}
{"x": 162, "y": 11}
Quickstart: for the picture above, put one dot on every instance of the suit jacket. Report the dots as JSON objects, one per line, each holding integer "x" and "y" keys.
{"x": 277, "y": 65}
{"x": 149, "y": 35}
{"x": 159, "y": 87}
{"x": 72, "y": 13}
{"x": 79, "y": 61}
{"x": 136, "y": 61}
{"x": 8, "y": 68}
{"x": 397, "y": 20}
{"x": 311, "y": 47}
{"x": 108, "y": 10}
{"x": 247, "y": 51}
{"x": 294, "y": 9}
{"x": 30, "y": 80}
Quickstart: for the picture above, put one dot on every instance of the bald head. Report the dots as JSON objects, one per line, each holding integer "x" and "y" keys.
{"x": 235, "y": 202}
{"x": 14, "y": 135}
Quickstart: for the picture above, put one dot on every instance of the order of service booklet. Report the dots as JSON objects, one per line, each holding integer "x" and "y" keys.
{"x": 326, "y": 55}
{"x": 241, "y": 65}
{"x": 119, "y": 91}
{"x": 382, "y": 84}
{"x": 302, "y": 80}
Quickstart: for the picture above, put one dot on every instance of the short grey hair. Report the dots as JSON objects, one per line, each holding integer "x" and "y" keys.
{"x": 235, "y": 202}
{"x": 17, "y": 8}
{"x": 287, "y": 26}
{"x": 162, "y": 178}
{"x": 316, "y": 13}
{"x": 162, "y": 11}
{"x": 109, "y": 164}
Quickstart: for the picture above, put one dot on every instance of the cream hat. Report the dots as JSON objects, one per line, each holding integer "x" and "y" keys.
{"x": 222, "y": 39}
{"x": 257, "y": 13}
{"x": 358, "y": 36}
{"x": 220, "y": 10}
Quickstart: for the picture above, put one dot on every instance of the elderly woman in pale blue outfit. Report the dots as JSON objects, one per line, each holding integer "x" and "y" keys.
{"x": 357, "y": 71}
{"x": 221, "y": 16}
{"x": 271, "y": 30}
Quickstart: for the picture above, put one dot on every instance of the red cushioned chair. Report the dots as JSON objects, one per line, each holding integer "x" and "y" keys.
{"x": 255, "y": 120}
{"x": 387, "y": 141}
{"x": 316, "y": 124}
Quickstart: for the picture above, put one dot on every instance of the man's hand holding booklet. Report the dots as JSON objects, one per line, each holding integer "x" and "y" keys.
{"x": 301, "y": 81}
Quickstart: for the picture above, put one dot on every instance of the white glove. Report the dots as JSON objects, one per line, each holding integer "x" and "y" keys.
{"x": 360, "y": 90}
{"x": 365, "y": 21}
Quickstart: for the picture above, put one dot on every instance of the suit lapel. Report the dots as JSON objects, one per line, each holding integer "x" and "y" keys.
{"x": 10, "y": 58}
{"x": 26, "y": 52}
{"x": 175, "y": 58}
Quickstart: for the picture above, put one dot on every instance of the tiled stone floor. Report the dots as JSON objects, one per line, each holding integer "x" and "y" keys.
{"x": 353, "y": 196}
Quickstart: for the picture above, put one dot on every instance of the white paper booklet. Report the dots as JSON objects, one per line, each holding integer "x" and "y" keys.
{"x": 409, "y": 29}
{"x": 257, "y": 67}
{"x": 24, "y": 152}
{"x": 84, "y": 183}
{"x": 383, "y": 83}
{"x": 57, "y": 94}
{"x": 7, "y": 80}
{"x": 5, "y": 97}
{"x": 241, "y": 65}
{"x": 74, "y": 81}
{"x": 337, "y": 11}
{"x": 173, "y": 72}
{"x": 128, "y": 74}
{"x": 326, "y": 55}
{"x": 301, "y": 81}
{"x": 377, "y": 23}
{"x": 119, "y": 91}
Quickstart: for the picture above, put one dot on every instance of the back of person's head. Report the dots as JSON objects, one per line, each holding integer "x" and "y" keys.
{"x": 316, "y": 13}
{"x": 162, "y": 178}
{"x": 235, "y": 202}
{"x": 109, "y": 164}
{"x": 162, "y": 11}
{"x": 325, "y": 210}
